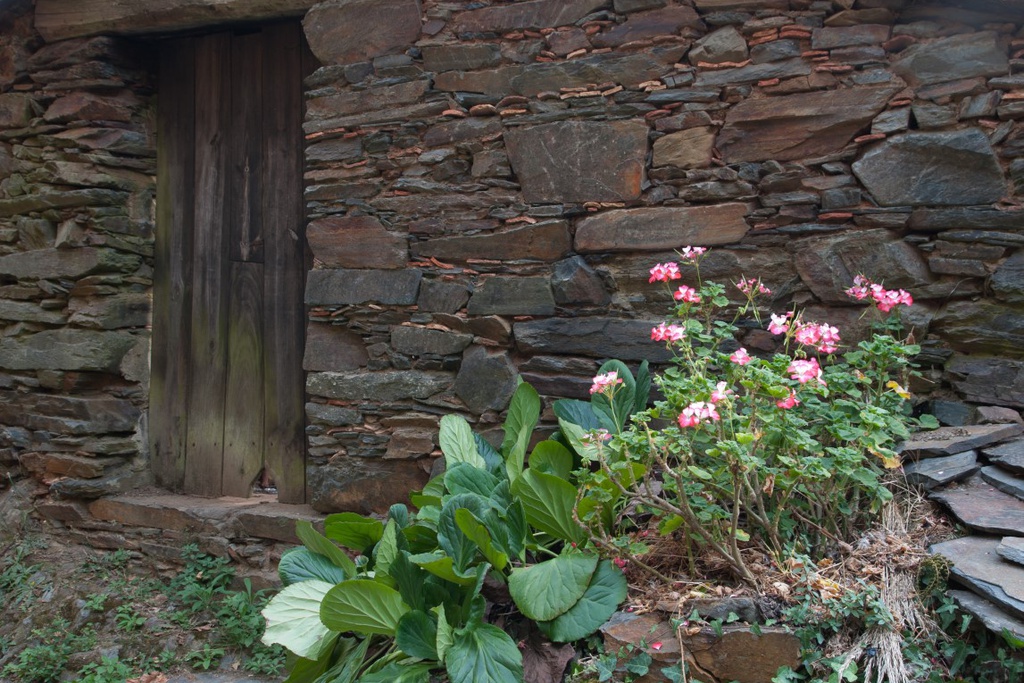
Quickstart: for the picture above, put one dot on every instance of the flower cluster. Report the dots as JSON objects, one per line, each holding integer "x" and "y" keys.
{"x": 663, "y": 272}
{"x": 605, "y": 383}
{"x": 664, "y": 332}
{"x": 740, "y": 357}
{"x": 823, "y": 337}
{"x": 780, "y": 323}
{"x": 687, "y": 295}
{"x": 697, "y": 412}
{"x": 752, "y": 286}
{"x": 885, "y": 299}
{"x": 804, "y": 371}
{"x": 691, "y": 254}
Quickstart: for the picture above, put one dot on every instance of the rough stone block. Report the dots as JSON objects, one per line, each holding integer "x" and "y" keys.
{"x": 991, "y": 380}
{"x": 442, "y": 297}
{"x": 646, "y": 25}
{"x": 981, "y": 326}
{"x": 15, "y": 110}
{"x": 513, "y": 296}
{"x": 594, "y": 337}
{"x": 933, "y": 472}
{"x": 545, "y": 241}
{"x": 366, "y": 99}
{"x": 460, "y": 57}
{"x": 66, "y": 349}
{"x": 724, "y": 45}
{"x": 363, "y": 485}
{"x": 691, "y": 148}
{"x": 332, "y": 347}
{"x": 345, "y": 31}
{"x": 532, "y": 14}
{"x": 127, "y": 309}
{"x": 977, "y": 564}
{"x": 661, "y": 228}
{"x": 579, "y": 161}
{"x": 952, "y": 440}
{"x": 341, "y": 287}
{"x": 66, "y": 263}
{"x": 356, "y": 242}
{"x": 828, "y": 38}
{"x": 388, "y": 385}
{"x": 575, "y": 283}
{"x": 486, "y": 380}
{"x": 422, "y": 341}
{"x": 954, "y": 58}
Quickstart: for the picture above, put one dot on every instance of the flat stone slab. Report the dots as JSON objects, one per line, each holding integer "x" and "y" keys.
{"x": 931, "y": 473}
{"x": 1008, "y": 456}
{"x": 994, "y": 619}
{"x": 981, "y": 506}
{"x": 1011, "y": 548}
{"x": 1004, "y": 481}
{"x": 977, "y": 565}
{"x": 953, "y": 440}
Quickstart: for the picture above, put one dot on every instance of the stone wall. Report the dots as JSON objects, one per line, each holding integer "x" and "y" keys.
{"x": 489, "y": 182}
{"x": 77, "y": 159}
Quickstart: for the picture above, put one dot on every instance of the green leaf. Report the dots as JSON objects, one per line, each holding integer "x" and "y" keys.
{"x": 509, "y": 532}
{"x": 578, "y": 413}
{"x": 417, "y": 635}
{"x": 545, "y": 590}
{"x": 318, "y": 543}
{"x": 352, "y": 530}
{"x": 670, "y": 524}
{"x": 397, "y": 672}
{"x": 477, "y": 532}
{"x": 409, "y": 579}
{"x": 463, "y": 478}
{"x": 457, "y": 442}
{"x": 578, "y": 440}
{"x": 523, "y": 414}
{"x": 699, "y": 472}
{"x": 301, "y": 564}
{"x": 548, "y": 502}
{"x": 386, "y": 550}
{"x": 445, "y": 634}
{"x": 643, "y": 388}
{"x": 420, "y": 538}
{"x": 293, "y": 619}
{"x": 620, "y": 407}
{"x": 928, "y": 421}
{"x": 606, "y": 590}
{"x": 484, "y": 654}
{"x": 346, "y": 668}
{"x": 450, "y": 537}
{"x": 551, "y": 457}
{"x": 400, "y": 513}
{"x": 439, "y": 564}
{"x": 363, "y": 606}
{"x": 495, "y": 463}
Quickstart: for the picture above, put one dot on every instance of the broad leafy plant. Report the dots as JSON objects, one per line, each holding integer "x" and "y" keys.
{"x": 412, "y": 600}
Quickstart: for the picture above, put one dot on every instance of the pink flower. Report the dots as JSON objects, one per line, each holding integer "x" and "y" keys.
{"x": 665, "y": 332}
{"x": 860, "y": 287}
{"x": 740, "y": 357}
{"x": 687, "y": 294}
{"x": 886, "y": 299}
{"x": 663, "y": 272}
{"x": 752, "y": 285}
{"x": 721, "y": 391}
{"x": 619, "y": 562}
{"x": 788, "y": 402}
{"x": 808, "y": 334}
{"x": 698, "y": 412}
{"x": 829, "y": 339}
{"x": 656, "y": 645}
{"x": 824, "y": 338}
{"x": 779, "y": 324}
{"x": 605, "y": 383}
{"x": 692, "y": 253}
{"x": 804, "y": 371}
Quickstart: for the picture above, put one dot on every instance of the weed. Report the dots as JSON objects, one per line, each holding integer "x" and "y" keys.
{"x": 128, "y": 619}
{"x": 265, "y": 660}
{"x": 95, "y": 602}
{"x": 205, "y": 658}
{"x": 108, "y": 670}
{"x": 45, "y": 661}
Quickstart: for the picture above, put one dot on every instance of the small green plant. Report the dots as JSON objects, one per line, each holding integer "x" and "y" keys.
{"x": 45, "y": 660}
{"x": 206, "y": 657}
{"x": 265, "y": 660}
{"x": 128, "y": 618}
{"x": 95, "y": 602}
{"x": 107, "y": 670}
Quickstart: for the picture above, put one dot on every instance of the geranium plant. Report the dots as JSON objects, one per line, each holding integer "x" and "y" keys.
{"x": 785, "y": 453}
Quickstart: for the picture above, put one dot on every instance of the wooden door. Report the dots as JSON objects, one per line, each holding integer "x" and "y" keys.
{"x": 227, "y": 389}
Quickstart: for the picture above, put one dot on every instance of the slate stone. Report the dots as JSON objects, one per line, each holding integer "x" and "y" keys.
{"x": 982, "y": 507}
{"x": 332, "y": 347}
{"x": 491, "y": 327}
{"x": 1004, "y": 481}
{"x": 68, "y": 414}
{"x": 339, "y": 287}
{"x": 707, "y": 6}
{"x": 593, "y": 337}
{"x": 933, "y": 472}
{"x": 1007, "y": 282}
{"x": 711, "y": 609}
{"x": 66, "y": 349}
{"x": 930, "y": 115}
{"x": 356, "y": 242}
{"x": 627, "y": 6}
{"x": 891, "y": 121}
{"x": 460, "y": 57}
{"x": 981, "y": 326}
{"x": 365, "y": 99}
{"x": 486, "y": 380}
{"x": 15, "y": 110}
{"x": 27, "y": 311}
{"x": 724, "y": 45}
{"x": 345, "y": 31}
{"x": 980, "y": 218}
{"x": 661, "y": 228}
{"x": 491, "y": 163}
{"x": 967, "y": 55}
{"x": 946, "y": 168}
{"x": 532, "y": 14}
{"x": 691, "y": 148}
{"x": 545, "y": 241}
{"x": 1011, "y": 548}
{"x": 568, "y": 39}
{"x": 646, "y": 25}
{"x": 126, "y": 309}
{"x": 387, "y": 385}
{"x": 330, "y": 415}
{"x": 977, "y": 566}
{"x": 573, "y": 282}
{"x": 997, "y": 415}
{"x": 124, "y": 479}
{"x": 829, "y": 38}
{"x": 951, "y": 413}
{"x": 798, "y": 126}
{"x": 442, "y": 297}
{"x": 1008, "y": 456}
{"x": 994, "y": 619}
{"x": 774, "y": 51}
{"x": 752, "y": 73}
{"x": 410, "y": 442}
{"x": 67, "y": 263}
{"x": 512, "y": 296}
{"x": 828, "y": 264}
{"x": 363, "y": 485}
{"x": 946, "y": 441}
{"x": 81, "y": 106}
{"x": 460, "y": 130}
{"x": 422, "y": 341}
{"x": 990, "y": 380}
{"x": 579, "y": 161}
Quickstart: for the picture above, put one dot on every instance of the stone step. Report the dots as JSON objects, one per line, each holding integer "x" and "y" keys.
{"x": 978, "y": 566}
{"x": 1004, "y": 481}
{"x": 953, "y": 440}
{"x": 979, "y": 505}
{"x": 1009, "y": 456}
{"x": 1011, "y": 549}
{"x": 994, "y": 619}
{"x": 931, "y": 473}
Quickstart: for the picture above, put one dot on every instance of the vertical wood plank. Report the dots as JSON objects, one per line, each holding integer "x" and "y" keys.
{"x": 203, "y": 465}
{"x": 244, "y": 213}
{"x": 168, "y": 414}
{"x": 243, "y": 407}
{"x": 285, "y": 275}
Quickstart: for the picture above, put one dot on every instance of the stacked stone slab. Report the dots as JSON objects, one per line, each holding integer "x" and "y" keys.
{"x": 487, "y": 185}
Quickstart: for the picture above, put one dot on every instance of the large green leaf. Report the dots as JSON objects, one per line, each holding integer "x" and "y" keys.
{"x": 510, "y": 530}
{"x": 399, "y": 672}
{"x": 523, "y": 414}
{"x": 606, "y": 591}
{"x": 478, "y": 533}
{"x": 445, "y": 634}
{"x": 551, "y": 457}
{"x": 450, "y": 537}
{"x": 363, "y": 606}
{"x": 643, "y": 388}
{"x": 353, "y": 531}
{"x": 386, "y": 550}
{"x": 548, "y": 502}
{"x": 417, "y": 635}
{"x": 457, "y": 442}
{"x": 463, "y": 478}
{"x": 495, "y": 463}
{"x": 439, "y": 564}
{"x": 483, "y": 654}
{"x": 578, "y": 440}
{"x": 578, "y": 413}
{"x": 318, "y": 543}
{"x": 302, "y": 564}
{"x": 620, "y": 407}
{"x": 409, "y": 579}
{"x": 545, "y": 590}
{"x": 348, "y": 664}
{"x": 293, "y": 619}
{"x": 310, "y": 671}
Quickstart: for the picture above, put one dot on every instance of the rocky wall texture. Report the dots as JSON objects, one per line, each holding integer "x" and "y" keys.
{"x": 77, "y": 159}
{"x": 489, "y": 182}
